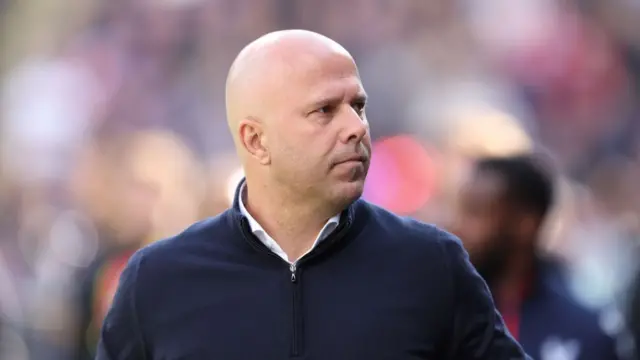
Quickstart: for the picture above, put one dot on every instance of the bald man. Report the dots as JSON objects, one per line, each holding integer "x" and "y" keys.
{"x": 300, "y": 267}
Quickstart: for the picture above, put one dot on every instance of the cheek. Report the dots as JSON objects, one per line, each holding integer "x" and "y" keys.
{"x": 284, "y": 148}
{"x": 295, "y": 158}
{"x": 366, "y": 142}
{"x": 475, "y": 231}
{"x": 316, "y": 150}
{"x": 303, "y": 148}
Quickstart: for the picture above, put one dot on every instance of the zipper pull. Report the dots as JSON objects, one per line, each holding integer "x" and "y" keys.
{"x": 292, "y": 268}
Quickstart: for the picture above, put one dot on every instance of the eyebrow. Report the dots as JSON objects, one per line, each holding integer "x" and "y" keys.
{"x": 360, "y": 97}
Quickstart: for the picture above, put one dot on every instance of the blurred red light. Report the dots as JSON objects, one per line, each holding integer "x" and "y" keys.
{"x": 401, "y": 177}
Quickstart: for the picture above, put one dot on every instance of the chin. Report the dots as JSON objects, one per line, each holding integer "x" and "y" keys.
{"x": 348, "y": 191}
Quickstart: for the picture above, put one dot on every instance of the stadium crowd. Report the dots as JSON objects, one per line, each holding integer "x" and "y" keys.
{"x": 113, "y": 134}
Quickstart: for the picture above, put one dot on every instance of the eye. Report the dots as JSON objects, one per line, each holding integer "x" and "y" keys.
{"x": 327, "y": 109}
{"x": 359, "y": 106}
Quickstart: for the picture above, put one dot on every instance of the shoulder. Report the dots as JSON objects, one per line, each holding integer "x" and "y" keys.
{"x": 412, "y": 235}
{"x": 578, "y": 321}
{"x": 408, "y": 228}
{"x": 423, "y": 253}
{"x": 552, "y": 278}
{"x": 582, "y": 324}
{"x": 205, "y": 236}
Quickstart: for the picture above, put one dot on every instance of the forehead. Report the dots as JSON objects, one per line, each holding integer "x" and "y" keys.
{"x": 483, "y": 187}
{"x": 328, "y": 76}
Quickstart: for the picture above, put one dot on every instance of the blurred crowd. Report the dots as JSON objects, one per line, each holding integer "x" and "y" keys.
{"x": 113, "y": 133}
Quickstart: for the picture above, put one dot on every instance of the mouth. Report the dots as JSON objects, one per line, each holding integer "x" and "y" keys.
{"x": 353, "y": 159}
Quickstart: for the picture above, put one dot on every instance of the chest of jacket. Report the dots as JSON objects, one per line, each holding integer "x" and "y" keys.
{"x": 316, "y": 314}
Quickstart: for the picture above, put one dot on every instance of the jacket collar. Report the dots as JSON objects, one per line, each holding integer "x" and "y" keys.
{"x": 352, "y": 221}
{"x": 346, "y": 216}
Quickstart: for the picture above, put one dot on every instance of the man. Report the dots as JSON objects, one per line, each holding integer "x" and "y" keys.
{"x": 501, "y": 212}
{"x": 299, "y": 267}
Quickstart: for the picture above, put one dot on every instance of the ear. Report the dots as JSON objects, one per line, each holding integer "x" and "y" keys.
{"x": 254, "y": 140}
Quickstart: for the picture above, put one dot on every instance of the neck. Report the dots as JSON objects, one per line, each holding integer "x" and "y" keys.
{"x": 294, "y": 223}
{"x": 508, "y": 288}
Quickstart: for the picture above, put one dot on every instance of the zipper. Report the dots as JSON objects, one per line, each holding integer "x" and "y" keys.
{"x": 293, "y": 269}
{"x": 297, "y": 338}
{"x": 296, "y": 343}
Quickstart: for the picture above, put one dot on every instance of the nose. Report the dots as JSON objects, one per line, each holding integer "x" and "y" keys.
{"x": 356, "y": 126}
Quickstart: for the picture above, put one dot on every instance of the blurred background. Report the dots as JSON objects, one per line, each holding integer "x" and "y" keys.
{"x": 113, "y": 132}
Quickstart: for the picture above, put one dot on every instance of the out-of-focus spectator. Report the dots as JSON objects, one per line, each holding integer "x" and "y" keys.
{"x": 150, "y": 188}
{"x": 633, "y": 325}
{"x": 501, "y": 212}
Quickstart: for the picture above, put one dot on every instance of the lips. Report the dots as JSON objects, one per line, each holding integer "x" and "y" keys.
{"x": 352, "y": 158}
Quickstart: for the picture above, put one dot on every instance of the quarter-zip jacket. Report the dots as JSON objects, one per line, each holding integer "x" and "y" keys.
{"x": 379, "y": 287}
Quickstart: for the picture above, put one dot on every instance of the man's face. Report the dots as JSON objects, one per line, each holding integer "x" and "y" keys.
{"x": 319, "y": 138}
{"x": 484, "y": 223}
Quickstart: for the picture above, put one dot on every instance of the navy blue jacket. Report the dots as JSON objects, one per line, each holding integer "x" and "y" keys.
{"x": 553, "y": 323}
{"x": 380, "y": 287}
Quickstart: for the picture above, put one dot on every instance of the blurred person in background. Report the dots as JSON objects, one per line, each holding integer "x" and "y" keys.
{"x": 102, "y": 183}
{"x": 633, "y": 315}
{"x": 601, "y": 242}
{"x": 501, "y": 211}
{"x": 139, "y": 187}
{"x": 12, "y": 340}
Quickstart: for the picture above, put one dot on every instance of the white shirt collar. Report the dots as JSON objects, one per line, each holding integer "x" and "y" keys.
{"x": 269, "y": 242}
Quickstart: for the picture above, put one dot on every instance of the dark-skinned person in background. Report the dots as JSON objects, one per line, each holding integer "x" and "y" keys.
{"x": 500, "y": 215}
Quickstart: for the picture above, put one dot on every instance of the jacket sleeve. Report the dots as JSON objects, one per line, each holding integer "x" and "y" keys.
{"x": 121, "y": 337}
{"x": 478, "y": 329}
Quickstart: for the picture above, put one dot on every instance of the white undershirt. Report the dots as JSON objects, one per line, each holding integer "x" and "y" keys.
{"x": 270, "y": 243}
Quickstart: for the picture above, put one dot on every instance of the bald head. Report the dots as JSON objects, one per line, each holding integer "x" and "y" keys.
{"x": 295, "y": 107}
{"x": 269, "y": 63}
